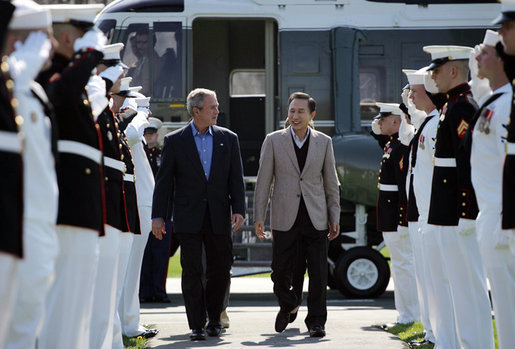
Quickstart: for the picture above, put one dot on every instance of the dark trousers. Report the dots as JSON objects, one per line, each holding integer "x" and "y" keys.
{"x": 199, "y": 298}
{"x": 154, "y": 269}
{"x": 292, "y": 250}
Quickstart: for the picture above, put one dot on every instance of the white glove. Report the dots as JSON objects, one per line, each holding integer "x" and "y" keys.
{"x": 28, "y": 58}
{"x": 480, "y": 86}
{"x": 129, "y": 103}
{"x": 97, "y": 95}
{"x": 405, "y": 97}
{"x": 93, "y": 38}
{"x": 144, "y": 110}
{"x": 406, "y": 131}
{"x": 375, "y": 127}
{"x": 417, "y": 116}
{"x": 466, "y": 226}
{"x": 112, "y": 73}
{"x": 402, "y": 231}
{"x": 503, "y": 237}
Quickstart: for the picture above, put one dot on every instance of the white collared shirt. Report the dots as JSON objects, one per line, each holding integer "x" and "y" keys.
{"x": 297, "y": 140}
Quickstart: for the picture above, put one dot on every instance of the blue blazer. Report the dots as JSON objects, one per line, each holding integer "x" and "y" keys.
{"x": 182, "y": 191}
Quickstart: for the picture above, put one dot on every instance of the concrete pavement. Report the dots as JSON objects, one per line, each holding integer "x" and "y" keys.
{"x": 252, "y": 311}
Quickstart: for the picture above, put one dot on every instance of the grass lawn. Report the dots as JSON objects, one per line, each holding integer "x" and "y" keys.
{"x": 414, "y": 331}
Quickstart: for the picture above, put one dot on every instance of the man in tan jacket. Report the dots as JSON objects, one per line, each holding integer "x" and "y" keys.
{"x": 305, "y": 209}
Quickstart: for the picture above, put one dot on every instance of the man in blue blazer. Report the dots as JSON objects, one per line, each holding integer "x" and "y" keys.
{"x": 200, "y": 183}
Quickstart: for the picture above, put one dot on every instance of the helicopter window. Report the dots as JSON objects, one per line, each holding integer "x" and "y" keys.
{"x": 246, "y": 83}
{"x": 371, "y": 85}
{"x": 154, "y": 58}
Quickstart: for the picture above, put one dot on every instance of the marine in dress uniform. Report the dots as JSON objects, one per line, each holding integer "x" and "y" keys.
{"x": 132, "y": 120}
{"x": 453, "y": 206}
{"x": 434, "y": 293}
{"x": 486, "y": 160}
{"x": 11, "y": 184}
{"x": 392, "y": 214}
{"x": 81, "y": 217}
{"x": 506, "y": 19}
{"x": 157, "y": 252}
{"x": 117, "y": 225}
{"x": 36, "y": 269}
{"x": 423, "y": 136}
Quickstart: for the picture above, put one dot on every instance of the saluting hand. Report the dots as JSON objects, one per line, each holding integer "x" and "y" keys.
{"x": 158, "y": 228}
{"x": 334, "y": 230}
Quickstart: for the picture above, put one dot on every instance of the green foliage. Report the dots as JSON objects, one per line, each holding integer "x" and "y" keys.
{"x": 415, "y": 332}
{"x": 134, "y": 343}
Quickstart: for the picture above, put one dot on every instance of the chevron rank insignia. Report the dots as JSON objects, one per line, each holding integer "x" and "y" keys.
{"x": 462, "y": 128}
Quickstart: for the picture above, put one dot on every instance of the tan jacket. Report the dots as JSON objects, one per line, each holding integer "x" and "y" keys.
{"x": 280, "y": 179}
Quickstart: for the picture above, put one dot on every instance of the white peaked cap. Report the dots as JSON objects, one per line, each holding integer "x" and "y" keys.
{"x": 491, "y": 38}
{"x": 143, "y": 102}
{"x": 416, "y": 77}
{"x": 154, "y": 123}
{"x": 112, "y": 51}
{"x": 135, "y": 88}
{"x": 389, "y": 108}
{"x": 507, "y": 5}
{"x": 441, "y": 54}
{"x": 65, "y": 13}
{"x": 134, "y": 92}
{"x": 125, "y": 84}
{"x": 29, "y": 15}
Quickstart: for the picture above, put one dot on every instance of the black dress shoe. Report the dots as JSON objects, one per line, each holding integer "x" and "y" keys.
{"x": 149, "y": 333}
{"x": 414, "y": 344}
{"x": 214, "y": 328}
{"x": 281, "y": 321}
{"x": 317, "y": 331}
{"x": 198, "y": 334}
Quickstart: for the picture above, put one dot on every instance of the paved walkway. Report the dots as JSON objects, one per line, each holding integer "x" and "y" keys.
{"x": 252, "y": 310}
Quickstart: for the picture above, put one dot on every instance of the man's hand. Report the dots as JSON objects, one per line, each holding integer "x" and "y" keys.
{"x": 158, "y": 228}
{"x": 236, "y": 221}
{"x": 259, "y": 227}
{"x": 334, "y": 230}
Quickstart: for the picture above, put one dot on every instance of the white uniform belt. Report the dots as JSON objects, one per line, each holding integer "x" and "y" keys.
{"x": 116, "y": 164}
{"x": 387, "y": 187}
{"x": 10, "y": 142}
{"x": 81, "y": 149}
{"x": 128, "y": 177}
{"x": 445, "y": 162}
{"x": 510, "y": 148}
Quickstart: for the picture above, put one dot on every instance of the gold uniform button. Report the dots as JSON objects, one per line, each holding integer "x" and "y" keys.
{"x": 120, "y": 146}
{"x": 85, "y": 102}
{"x": 402, "y": 208}
{"x": 378, "y": 177}
{"x": 9, "y": 84}
{"x": 18, "y": 120}
{"x": 121, "y": 156}
{"x": 400, "y": 215}
{"x": 463, "y": 194}
{"x": 106, "y": 179}
{"x": 87, "y": 171}
{"x": 108, "y": 125}
{"x": 463, "y": 204}
{"x": 14, "y": 103}
{"x": 34, "y": 117}
{"x": 445, "y": 180}
{"x": 389, "y": 201}
{"x": 5, "y": 67}
{"x": 463, "y": 214}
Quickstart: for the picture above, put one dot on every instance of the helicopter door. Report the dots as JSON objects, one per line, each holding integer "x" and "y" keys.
{"x": 236, "y": 59}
